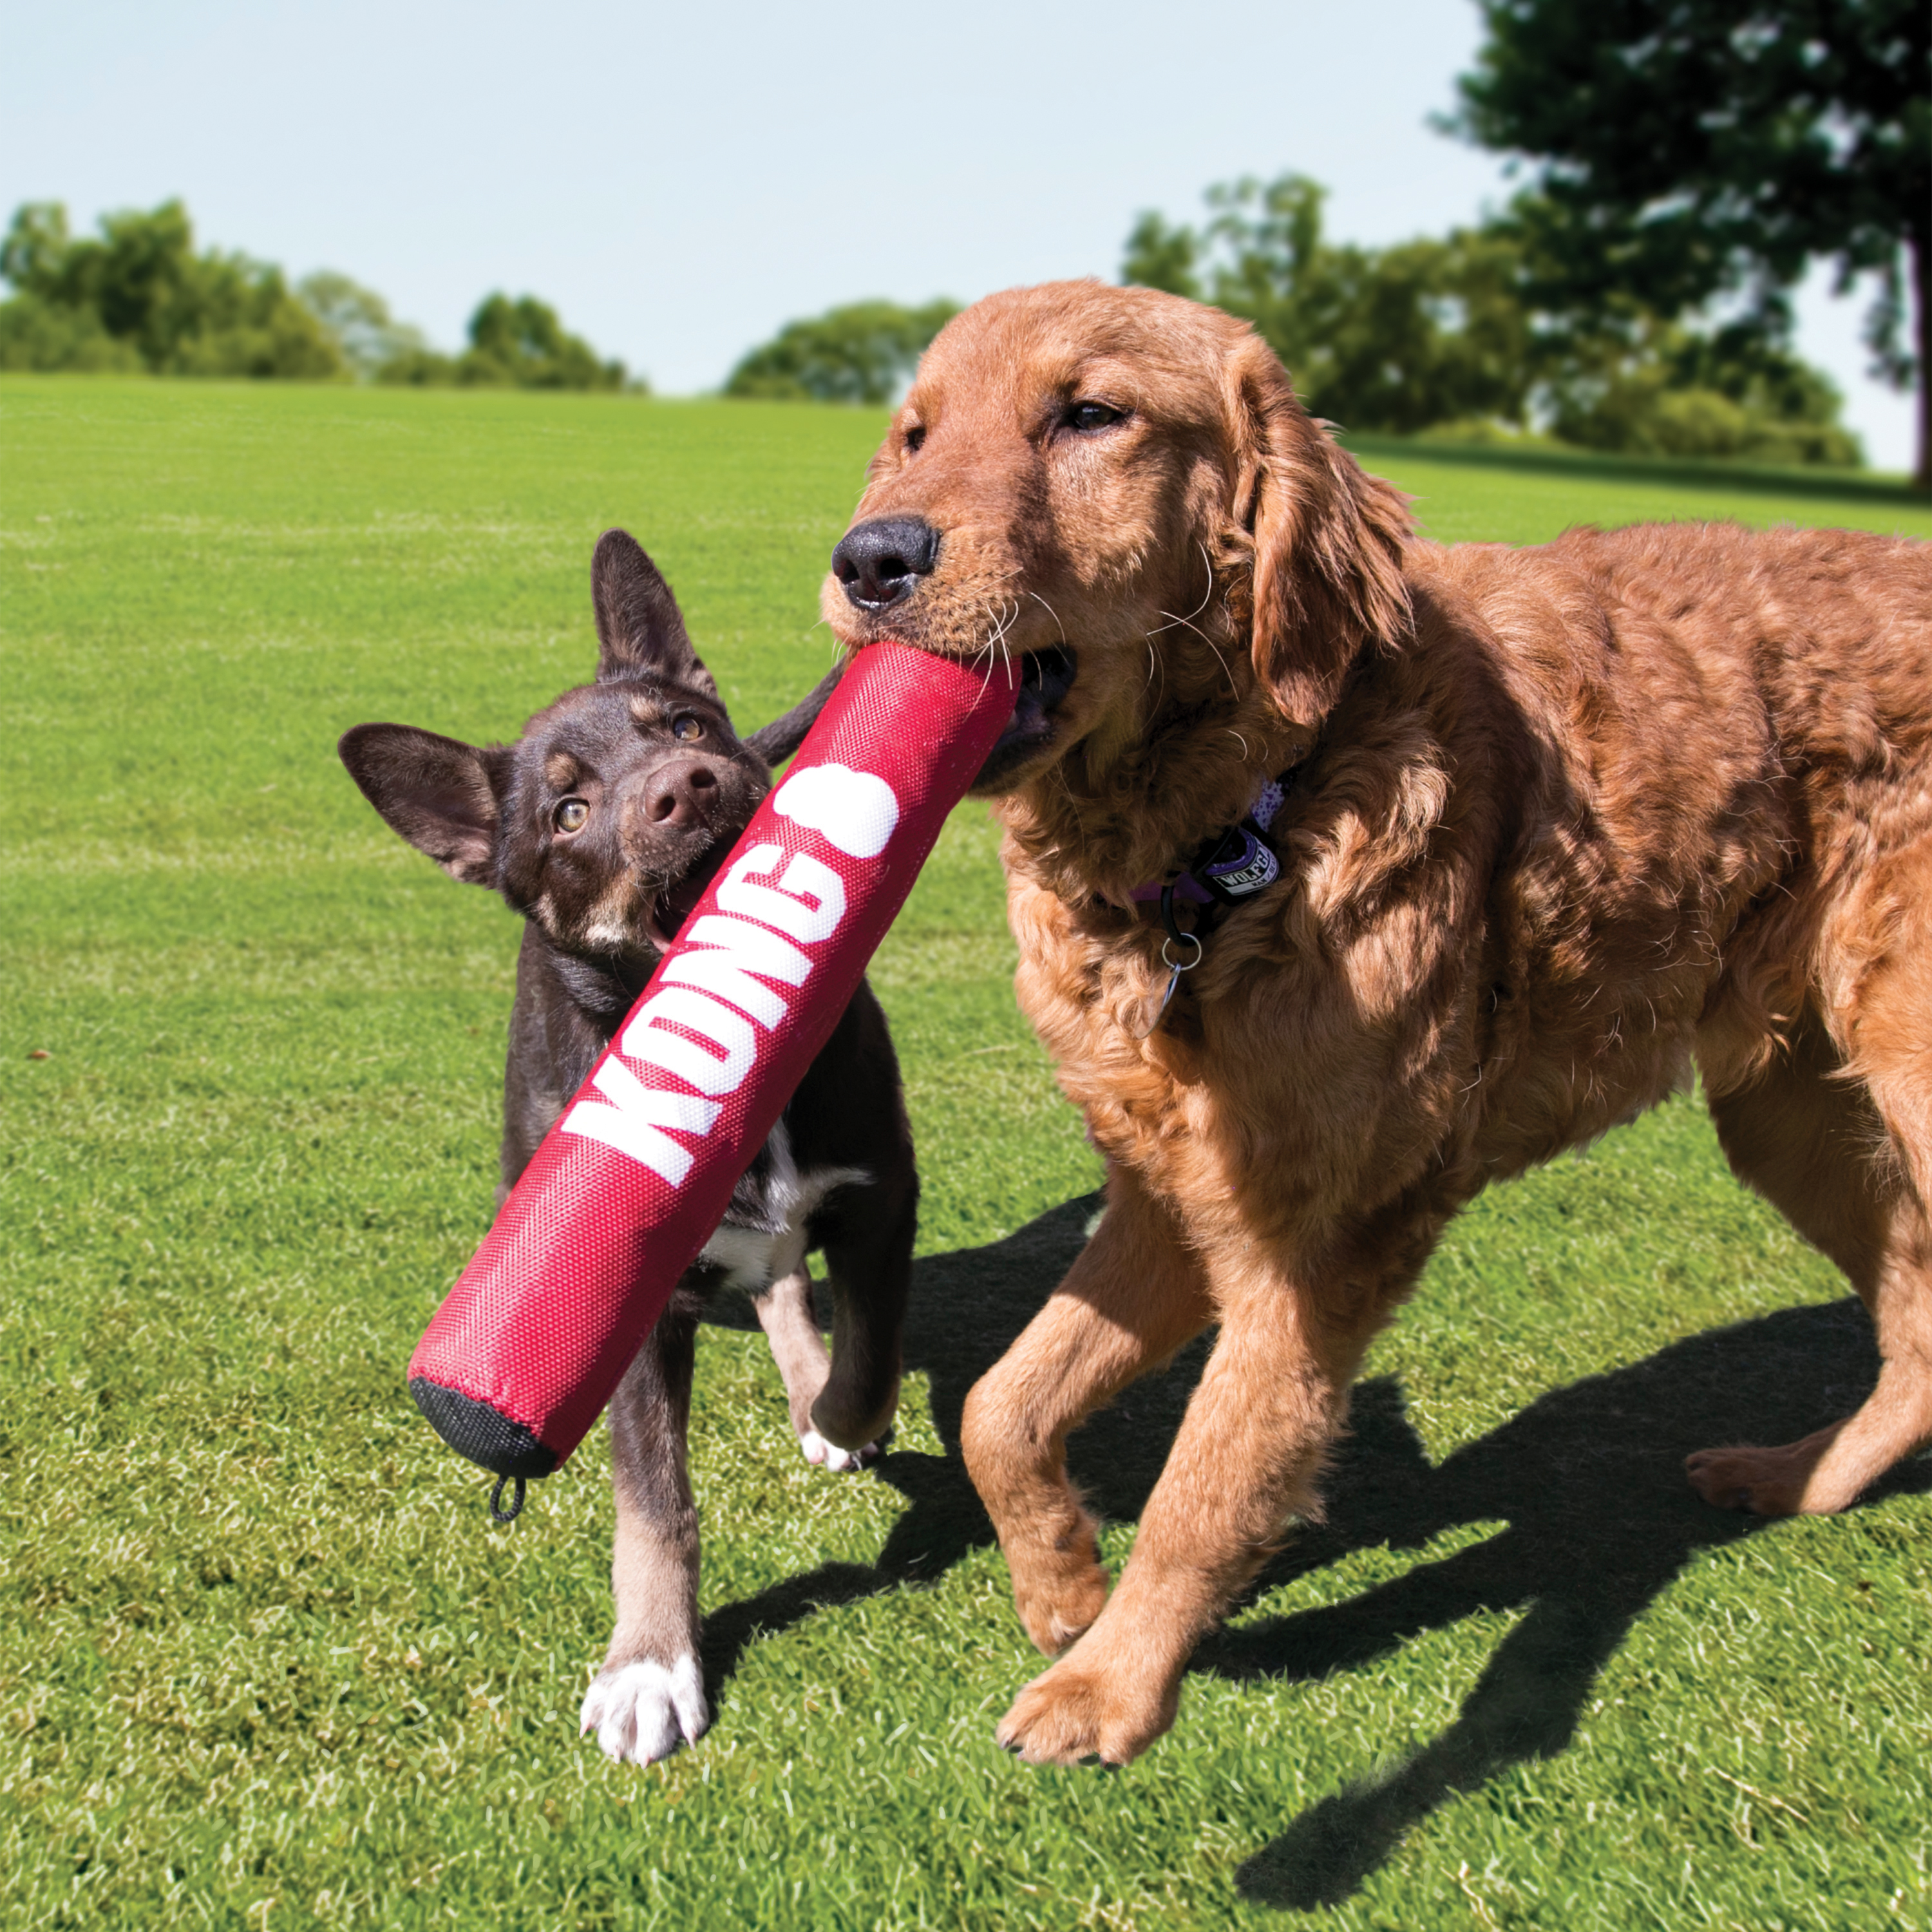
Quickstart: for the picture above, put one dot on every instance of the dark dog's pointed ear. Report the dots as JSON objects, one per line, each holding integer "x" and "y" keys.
{"x": 639, "y": 625}
{"x": 444, "y": 797}
{"x": 1328, "y": 542}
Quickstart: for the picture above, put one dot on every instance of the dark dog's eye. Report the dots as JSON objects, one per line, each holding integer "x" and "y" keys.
{"x": 570, "y": 815}
{"x": 686, "y": 728}
{"x": 915, "y": 438}
{"x": 1092, "y": 416}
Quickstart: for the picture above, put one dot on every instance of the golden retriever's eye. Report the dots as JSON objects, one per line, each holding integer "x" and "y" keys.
{"x": 915, "y": 438}
{"x": 570, "y": 815}
{"x": 1089, "y": 416}
{"x": 685, "y": 728}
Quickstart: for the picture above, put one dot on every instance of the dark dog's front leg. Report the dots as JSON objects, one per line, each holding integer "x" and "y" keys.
{"x": 784, "y": 1312}
{"x": 650, "y": 1697}
{"x": 868, "y": 1234}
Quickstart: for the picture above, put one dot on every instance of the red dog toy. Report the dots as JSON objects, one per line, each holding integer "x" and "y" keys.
{"x": 531, "y": 1343}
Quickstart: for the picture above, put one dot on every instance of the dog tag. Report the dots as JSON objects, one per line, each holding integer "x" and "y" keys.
{"x": 1175, "y": 967}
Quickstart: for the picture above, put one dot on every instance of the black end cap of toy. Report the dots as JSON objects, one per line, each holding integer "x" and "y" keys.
{"x": 474, "y": 1429}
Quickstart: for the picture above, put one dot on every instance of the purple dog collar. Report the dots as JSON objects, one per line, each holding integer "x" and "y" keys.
{"x": 1233, "y": 866}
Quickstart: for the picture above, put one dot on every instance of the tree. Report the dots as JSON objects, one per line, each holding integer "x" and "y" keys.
{"x": 1396, "y": 339}
{"x": 143, "y": 287}
{"x": 523, "y": 344}
{"x": 1694, "y": 150}
{"x": 519, "y": 344}
{"x": 38, "y": 334}
{"x": 141, "y": 298}
{"x": 358, "y": 322}
{"x": 864, "y": 352}
{"x": 1467, "y": 331}
{"x": 1671, "y": 392}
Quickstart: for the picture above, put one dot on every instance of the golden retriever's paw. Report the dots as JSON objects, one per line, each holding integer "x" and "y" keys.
{"x": 1767, "y": 1482}
{"x": 1081, "y": 1713}
{"x": 1058, "y": 1603}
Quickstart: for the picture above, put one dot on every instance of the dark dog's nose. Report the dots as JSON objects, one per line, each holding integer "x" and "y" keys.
{"x": 881, "y": 561}
{"x": 679, "y": 794}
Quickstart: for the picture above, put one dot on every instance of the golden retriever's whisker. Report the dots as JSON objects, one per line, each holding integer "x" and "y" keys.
{"x": 1207, "y": 597}
{"x": 1218, "y": 659}
{"x": 1153, "y": 672}
{"x": 1004, "y": 623}
{"x": 1206, "y": 640}
{"x": 1051, "y": 612}
{"x": 986, "y": 650}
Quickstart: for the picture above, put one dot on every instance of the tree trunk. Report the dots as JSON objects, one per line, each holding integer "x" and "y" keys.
{"x": 1921, "y": 246}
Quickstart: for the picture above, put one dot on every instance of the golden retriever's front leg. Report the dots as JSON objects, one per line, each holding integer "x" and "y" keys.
{"x": 1134, "y": 1296}
{"x": 1245, "y": 1459}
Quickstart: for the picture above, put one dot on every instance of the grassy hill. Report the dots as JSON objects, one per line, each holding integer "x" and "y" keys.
{"x": 267, "y": 1663}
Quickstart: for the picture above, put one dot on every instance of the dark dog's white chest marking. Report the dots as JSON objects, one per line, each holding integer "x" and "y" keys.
{"x": 753, "y": 1258}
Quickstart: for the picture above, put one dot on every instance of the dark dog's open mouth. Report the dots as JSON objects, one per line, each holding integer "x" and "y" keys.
{"x": 674, "y": 903}
{"x": 1045, "y": 678}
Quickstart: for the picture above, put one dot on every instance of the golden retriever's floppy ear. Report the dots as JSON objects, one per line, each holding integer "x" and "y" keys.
{"x": 1327, "y": 542}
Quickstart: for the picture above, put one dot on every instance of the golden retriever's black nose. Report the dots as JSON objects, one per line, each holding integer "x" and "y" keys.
{"x": 881, "y": 561}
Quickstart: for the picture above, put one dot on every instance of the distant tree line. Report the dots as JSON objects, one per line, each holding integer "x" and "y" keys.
{"x": 1689, "y": 160}
{"x": 1470, "y": 337}
{"x": 864, "y": 352}
{"x": 1482, "y": 335}
{"x": 140, "y": 298}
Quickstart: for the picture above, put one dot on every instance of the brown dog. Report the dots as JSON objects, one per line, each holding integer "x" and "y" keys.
{"x": 1556, "y": 822}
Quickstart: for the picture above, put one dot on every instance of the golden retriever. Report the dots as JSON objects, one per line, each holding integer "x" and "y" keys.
{"x": 1558, "y": 823}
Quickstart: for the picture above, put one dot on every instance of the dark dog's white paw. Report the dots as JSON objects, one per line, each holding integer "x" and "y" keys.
{"x": 828, "y": 1455}
{"x": 642, "y": 1711}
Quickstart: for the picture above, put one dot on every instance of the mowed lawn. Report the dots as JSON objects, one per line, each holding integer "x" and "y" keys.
{"x": 264, "y": 1663}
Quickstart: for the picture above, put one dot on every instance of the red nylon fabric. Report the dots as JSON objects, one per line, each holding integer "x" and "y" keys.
{"x": 587, "y": 1250}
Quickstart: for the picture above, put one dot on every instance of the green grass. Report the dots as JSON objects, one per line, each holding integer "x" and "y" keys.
{"x": 265, "y": 1665}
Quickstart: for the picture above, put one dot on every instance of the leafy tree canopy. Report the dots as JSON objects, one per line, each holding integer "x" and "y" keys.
{"x": 357, "y": 319}
{"x": 520, "y": 344}
{"x": 140, "y": 296}
{"x": 1691, "y": 149}
{"x": 1393, "y": 339}
{"x": 1461, "y": 332}
{"x": 864, "y": 352}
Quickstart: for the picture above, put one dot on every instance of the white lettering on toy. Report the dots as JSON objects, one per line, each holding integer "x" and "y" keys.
{"x": 720, "y": 964}
{"x": 854, "y": 811}
{"x": 698, "y": 1022}
{"x": 633, "y": 1122}
{"x": 649, "y": 1038}
{"x": 807, "y": 904}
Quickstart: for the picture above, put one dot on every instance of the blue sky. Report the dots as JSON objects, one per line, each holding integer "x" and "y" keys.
{"x": 680, "y": 180}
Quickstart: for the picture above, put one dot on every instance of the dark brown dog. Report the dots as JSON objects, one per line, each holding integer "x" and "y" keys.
{"x": 1558, "y": 823}
{"x": 602, "y": 826}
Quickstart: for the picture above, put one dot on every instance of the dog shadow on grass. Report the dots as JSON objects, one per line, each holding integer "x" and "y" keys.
{"x": 1589, "y": 1481}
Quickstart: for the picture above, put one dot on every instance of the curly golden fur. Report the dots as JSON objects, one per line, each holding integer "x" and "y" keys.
{"x": 1564, "y": 821}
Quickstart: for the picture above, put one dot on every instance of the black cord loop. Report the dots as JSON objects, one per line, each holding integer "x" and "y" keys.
{"x": 497, "y": 1512}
